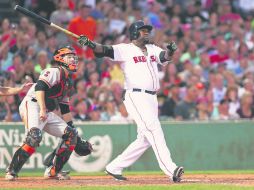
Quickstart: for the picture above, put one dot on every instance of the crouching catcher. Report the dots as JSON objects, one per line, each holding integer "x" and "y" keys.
{"x": 53, "y": 88}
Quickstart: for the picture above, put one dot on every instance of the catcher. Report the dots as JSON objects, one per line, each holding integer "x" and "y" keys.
{"x": 53, "y": 88}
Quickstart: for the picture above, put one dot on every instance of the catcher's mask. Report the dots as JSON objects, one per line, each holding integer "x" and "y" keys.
{"x": 136, "y": 26}
{"x": 67, "y": 57}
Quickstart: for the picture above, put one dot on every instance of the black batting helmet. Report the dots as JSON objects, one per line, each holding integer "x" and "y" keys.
{"x": 134, "y": 27}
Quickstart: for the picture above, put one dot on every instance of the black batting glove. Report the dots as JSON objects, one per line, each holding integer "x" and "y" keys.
{"x": 83, "y": 40}
{"x": 172, "y": 47}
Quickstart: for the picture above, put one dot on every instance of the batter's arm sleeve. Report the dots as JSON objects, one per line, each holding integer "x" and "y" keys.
{"x": 98, "y": 49}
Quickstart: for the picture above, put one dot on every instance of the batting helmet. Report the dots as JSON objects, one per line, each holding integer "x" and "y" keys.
{"x": 136, "y": 26}
{"x": 67, "y": 57}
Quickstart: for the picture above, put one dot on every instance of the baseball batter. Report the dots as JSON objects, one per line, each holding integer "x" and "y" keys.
{"x": 139, "y": 63}
{"x": 53, "y": 88}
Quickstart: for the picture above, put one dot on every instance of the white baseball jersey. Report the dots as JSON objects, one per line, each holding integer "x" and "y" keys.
{"x": 140, "y": 71}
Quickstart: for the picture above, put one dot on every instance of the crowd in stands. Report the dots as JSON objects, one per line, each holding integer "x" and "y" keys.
{"x": 211, "y": 77}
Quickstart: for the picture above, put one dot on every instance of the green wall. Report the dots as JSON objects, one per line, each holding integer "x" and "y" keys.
{"x": 196, "y": 146}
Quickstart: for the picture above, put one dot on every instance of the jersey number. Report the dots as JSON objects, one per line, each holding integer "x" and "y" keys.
{"x": 46, "y": 74}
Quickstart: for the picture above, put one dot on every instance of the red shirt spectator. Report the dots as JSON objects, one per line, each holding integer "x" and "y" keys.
{"x": 83, "y": 25}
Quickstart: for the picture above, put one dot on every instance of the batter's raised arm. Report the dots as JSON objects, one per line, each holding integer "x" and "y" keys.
{"x": 98, "y": 49}
{"x": 167, "y": 55}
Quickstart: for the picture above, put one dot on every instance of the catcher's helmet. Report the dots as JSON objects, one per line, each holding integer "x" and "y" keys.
{"x": 134, "y": 27}
{"x": 67, "y": 57}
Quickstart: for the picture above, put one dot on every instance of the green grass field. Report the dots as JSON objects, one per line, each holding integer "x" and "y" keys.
{"x": 180, "y": 186}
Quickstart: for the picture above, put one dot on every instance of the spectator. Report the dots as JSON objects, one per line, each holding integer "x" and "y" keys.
{"x": 61, "y": 16}
{"x": 234, "y": 104}
{"x": 42, "y": 59}
{"x": 246, "y": 110}
{"x": 202, "y": 109}
{"x": 219, "y": 89}
{"x": 170, "y": 103}
{"x": 83, "y": 24}
{"x": 186, "y": 109}
{"x": 82, "y": 108}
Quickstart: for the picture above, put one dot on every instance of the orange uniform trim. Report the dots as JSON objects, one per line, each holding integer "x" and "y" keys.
{"x": 29, "y": 149}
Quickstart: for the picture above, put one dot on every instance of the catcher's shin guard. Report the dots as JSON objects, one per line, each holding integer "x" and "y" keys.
{"x": 62, "y": 153}
{"x": 32, "y": 141}
{"x": 19, "y": 159}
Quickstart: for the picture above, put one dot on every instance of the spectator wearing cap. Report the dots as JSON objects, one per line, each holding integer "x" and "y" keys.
{"x": 246, "y": 110}
{"x": 83, "y": 24}
{"x": 170, "y": 103}
{"x": 186, "y": 109}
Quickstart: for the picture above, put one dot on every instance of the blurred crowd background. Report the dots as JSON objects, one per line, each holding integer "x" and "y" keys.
{"x": 211, "y": 77}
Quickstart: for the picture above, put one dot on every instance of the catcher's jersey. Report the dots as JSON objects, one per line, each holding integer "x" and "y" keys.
{"x": 140, "y": 71}
{"x": 60, "y": 87}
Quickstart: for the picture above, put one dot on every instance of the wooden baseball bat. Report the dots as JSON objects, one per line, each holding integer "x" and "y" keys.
{"x": 43, "y": 20}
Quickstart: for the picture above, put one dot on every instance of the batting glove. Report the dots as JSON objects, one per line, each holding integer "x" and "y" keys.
{"x": 172, "y": 47}
{"x": 83, "y": 40}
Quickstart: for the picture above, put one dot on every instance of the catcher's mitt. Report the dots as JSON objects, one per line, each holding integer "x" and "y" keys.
{"x": 83, "y": 147}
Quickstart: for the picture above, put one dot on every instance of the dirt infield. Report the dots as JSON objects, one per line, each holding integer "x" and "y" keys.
{"x": 137, "y": 180}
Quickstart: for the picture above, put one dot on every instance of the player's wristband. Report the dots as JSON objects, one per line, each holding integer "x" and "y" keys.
{"x": 91, "y": 44}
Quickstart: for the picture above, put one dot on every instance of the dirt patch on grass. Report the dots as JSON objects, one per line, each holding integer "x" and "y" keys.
{"x": 137, "y": 180}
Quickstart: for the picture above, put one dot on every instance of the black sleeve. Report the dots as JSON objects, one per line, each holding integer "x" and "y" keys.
{"x": 41, "y": 86}
{"x": 64, "y": 108}
{"x": 162, "y": 57}
{"x": 108, "y": 51}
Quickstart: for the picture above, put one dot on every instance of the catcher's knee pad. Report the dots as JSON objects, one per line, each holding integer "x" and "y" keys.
{"x": 34, "y": 137}
{"x": 70, "y": 137}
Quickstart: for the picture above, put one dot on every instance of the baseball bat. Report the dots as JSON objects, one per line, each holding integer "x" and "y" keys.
{"x": 43, "y": 20}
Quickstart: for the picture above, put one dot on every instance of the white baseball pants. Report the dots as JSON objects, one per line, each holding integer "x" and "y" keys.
{"x": 143, "y": 108}
{"x": 29, "y": 112}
